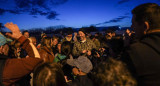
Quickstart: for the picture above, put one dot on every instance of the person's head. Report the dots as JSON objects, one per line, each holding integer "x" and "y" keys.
{"x": 54, "y": 40}
{"x": 43, "y": 35}
{"x": 46, "y": 42}
{"x": 82, "y": 34}
{"x": 48, "y": 74}
{"x": 146, "y": 17}
{"x": 69, "y": 35}
{"x": 112, "y": 73}
{"x": 34, "y": 40}
{"x": 127, "y": 31}
{"x": 26, "y": 33}
{"x": 66, "y": 48}
{"x": 81, "y": 66}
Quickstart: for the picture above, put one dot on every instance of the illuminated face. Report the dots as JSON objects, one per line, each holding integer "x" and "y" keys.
{"x": 26, "y": 34}
{"x": 75, "y": 71}
{"x": 82, "y": 35}
{"x": 54, "y": 42}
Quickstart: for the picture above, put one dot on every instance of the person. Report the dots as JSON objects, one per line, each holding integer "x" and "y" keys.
{"x": 84, "y": 45}
{"x": 10, "y": 68}
{"x": 142, "y": 57}
{"x": 23, "y": 52}
{"x": 81, "y": 67}
{"x": 55, "y": 45}
{"x": 66, "y": 50}
{"x": 68, "y": 37}
{"x": 49, "y": 74}
{"x": 26, "y": 33}
{"x": 46, "y": 51}
{"x": 112, "y": 73}
{"x": 127, "y": 38}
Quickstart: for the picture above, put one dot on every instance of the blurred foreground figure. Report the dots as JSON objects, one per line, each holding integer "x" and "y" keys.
{"x": 143, "y": 57}
{"x": 12, "y": 70}
{"x": 112, "y": 73}
{"x": 49, "y": 74}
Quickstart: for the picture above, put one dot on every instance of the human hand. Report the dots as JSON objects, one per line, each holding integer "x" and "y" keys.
{"x": 16, "y": 34}
{"x": 89, "y": 53}
{"x": 84, "y": 51}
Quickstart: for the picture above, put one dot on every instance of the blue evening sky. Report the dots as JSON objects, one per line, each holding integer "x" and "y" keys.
{"x": 70, "y": 13}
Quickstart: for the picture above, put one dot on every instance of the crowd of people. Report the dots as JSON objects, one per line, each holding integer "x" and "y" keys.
{"x": 82, "y": 59}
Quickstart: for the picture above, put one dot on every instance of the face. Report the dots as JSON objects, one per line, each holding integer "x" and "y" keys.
{"x": 138, "y": 28}
{"x": 127, "y": 31}
{"x": 26, "y": 34}
{"x": 82, "y": 35}
{"x": 55, "y": 42}
{"x": 75, "y": 71}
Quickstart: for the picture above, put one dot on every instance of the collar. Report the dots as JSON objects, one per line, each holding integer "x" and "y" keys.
{"x": 83, "y": 41}
{"x": 153, "y": 31}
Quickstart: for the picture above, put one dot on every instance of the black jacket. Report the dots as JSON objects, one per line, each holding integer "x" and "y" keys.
{"x": 143, "y": 60}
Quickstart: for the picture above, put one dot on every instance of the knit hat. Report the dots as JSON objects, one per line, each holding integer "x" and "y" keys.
{"x": 82, "y": 63}
{"x": 3, "y": 39}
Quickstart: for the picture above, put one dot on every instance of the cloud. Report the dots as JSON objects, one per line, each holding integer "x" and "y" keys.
{"x": 34, "y": 8}
{"x": 115, "y": 20}
{"x": 123, "y": 1}
{"x": 52, "y": 15}
{"x": 2, "y": 11}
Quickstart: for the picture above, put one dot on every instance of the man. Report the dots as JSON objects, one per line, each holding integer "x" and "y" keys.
{"x": 84, "y": 45}
{"x": 81, "y": 67}
{"x": 143, "y": 57}
{"x": 12, "y": 70}
{"x": 23, "y": 52}
{"x": 26, "y": 34}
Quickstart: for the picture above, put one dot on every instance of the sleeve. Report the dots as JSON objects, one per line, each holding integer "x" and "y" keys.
{"x": 29, "y": 47}
{"x": 75, "y": 51}
{"x": 15, "y": 69}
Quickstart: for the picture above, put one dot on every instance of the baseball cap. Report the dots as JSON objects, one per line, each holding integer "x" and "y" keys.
{"x": 82, "y": 63}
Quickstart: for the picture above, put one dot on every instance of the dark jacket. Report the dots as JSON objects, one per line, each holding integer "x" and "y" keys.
{"x": 143, "y": 60}
{"x": 81, "y": 81}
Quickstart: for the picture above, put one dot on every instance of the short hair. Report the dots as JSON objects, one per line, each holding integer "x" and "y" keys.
{"x": 48, "y": 74}
{"x": 25, "y": 31}
{"x": 113, "y": 73}
{"x": 149, "y": 12}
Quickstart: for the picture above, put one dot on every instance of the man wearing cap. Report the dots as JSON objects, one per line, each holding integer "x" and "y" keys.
{"x": 84, "y": 45}
{"x": 12, "y": 70}
{"x": 81, "y": 67}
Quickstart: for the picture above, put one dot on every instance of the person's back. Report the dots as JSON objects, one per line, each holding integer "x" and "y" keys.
{"x": 142, "y": 57}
